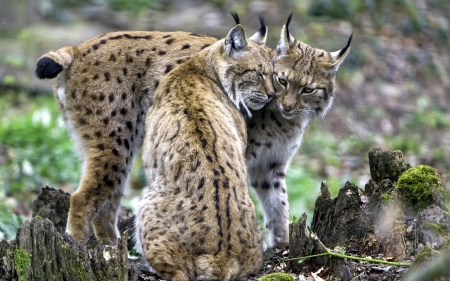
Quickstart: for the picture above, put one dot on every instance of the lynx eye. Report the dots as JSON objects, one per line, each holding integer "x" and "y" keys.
{"x": 283, "y": 82}
{"x": 307, "y": 90}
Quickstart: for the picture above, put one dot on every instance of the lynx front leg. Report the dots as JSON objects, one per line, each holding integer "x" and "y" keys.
{"x": 273, "y": 197}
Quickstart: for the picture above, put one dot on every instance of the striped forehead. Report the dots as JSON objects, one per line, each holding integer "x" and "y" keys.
{"x": 308, "y": 51}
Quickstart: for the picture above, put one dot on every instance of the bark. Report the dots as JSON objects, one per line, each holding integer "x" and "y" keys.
{"x": 42, "y": 251}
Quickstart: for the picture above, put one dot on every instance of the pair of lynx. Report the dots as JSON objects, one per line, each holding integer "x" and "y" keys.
{"x": 209, "y": 122}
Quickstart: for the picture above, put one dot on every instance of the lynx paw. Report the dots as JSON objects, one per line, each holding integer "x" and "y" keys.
{"x": 278, "y": 235}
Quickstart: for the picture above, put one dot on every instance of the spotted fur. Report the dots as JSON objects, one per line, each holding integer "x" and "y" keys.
{"x": 104, "y": 91}
{"x": 122, "y": 70}
{"x": 197, "y": 221}
{"x": 304, "y": 81}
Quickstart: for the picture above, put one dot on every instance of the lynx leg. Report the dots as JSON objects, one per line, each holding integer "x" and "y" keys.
{"x": 101, "y": 177}
{"x": 273, "y": 197}
{"x": 105, "y": 221}
{"x": 159, "y": 252}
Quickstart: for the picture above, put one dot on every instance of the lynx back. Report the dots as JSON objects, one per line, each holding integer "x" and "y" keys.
{"x": 197, "y": 221}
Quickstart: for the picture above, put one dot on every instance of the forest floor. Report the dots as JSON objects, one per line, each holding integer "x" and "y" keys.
{"x": 375, "y": 234}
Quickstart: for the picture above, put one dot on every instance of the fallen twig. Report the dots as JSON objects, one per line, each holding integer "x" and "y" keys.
{"x": 343, "y": 256}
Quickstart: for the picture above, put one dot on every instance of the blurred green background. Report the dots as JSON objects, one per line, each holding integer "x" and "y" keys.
{"x": 393, "y": 90}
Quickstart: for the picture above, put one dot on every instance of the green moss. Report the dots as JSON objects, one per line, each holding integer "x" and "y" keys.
{"x": 426, "y": 254}
{"x": 278, "y": 276}
{"x": 82, "y": 272}
{"x": 385, "y": 198}
{"x": 439, "y": 228}
{"x": 418, "y": 184}
{"x": 23, "y": 259}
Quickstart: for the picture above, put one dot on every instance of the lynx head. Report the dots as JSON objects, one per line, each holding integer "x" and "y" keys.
{"x": 245, "y": 68}
{"x": 304, "y": 76}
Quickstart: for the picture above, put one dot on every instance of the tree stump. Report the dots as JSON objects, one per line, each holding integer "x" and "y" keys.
{"x": 363, "y": 223}
{"x": 53, "y": 204}
{"x": 41, "y": 253}
{"x": 373, "y": 222}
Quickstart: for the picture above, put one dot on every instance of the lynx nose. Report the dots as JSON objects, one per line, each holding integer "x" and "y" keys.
{"x": 287, "y": 107}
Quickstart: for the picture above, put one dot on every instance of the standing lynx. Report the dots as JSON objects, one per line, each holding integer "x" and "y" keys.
{"x": 107, "y": 85}
{"x": 197, "y": 221}
{"x": 304, "y": 81}
{"x": 104, "y": 93}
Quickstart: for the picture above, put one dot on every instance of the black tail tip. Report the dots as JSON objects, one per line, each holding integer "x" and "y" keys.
{"x": 47, "y": 68}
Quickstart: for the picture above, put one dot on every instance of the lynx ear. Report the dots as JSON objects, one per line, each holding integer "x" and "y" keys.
{"x": 286, "y": 39}
{"x": 261, "y": 35}
{"x": 339, "y": 56}
{"x": 236, "y": 41}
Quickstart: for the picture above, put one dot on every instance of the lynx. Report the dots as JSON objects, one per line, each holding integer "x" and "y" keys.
{"x": 304, "y": 81}
{"x": 106, "y": 84}
{"x": 104, "y": 88}
{"x": 197, "y": 221}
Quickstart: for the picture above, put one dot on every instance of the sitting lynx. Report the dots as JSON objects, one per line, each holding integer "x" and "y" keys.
{"x": 197, "y": 221}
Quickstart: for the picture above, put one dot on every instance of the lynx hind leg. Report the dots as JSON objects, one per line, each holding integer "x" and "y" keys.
{"x": 157, "y": 243}
{"x": 105, "y": 221}
{"x": 272, "y": 195}
{"x": 102, "y": 179}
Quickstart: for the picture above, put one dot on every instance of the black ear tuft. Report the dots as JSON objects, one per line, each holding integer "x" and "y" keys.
{"x": 262, "y": 29}
{"x": 346, "y": 47}
{"x": 287, "y": 23}
{"x": 236, "y": 17}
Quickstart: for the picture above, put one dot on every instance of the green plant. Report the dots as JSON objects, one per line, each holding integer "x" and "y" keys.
{"x": 277, "y": 276}
{"x": 38, "y": 148}
{"x": 9, "y": 222}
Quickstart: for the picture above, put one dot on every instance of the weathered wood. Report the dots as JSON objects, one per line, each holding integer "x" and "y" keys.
{"x": 41, "y": 253}
{"x": 53, "y": 204}
{"x": 357, "y": 221}
{"x": 365, "y": 223}
{"x": 386, "y": 164}
{"x": 299, "y": 242}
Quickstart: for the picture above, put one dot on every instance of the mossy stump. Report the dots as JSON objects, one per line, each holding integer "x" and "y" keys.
{"x": 421, "y": 186}
{"x": 39, "y": 252}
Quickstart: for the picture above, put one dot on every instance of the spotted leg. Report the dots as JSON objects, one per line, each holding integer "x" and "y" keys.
{"x": 270, "y": 187}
